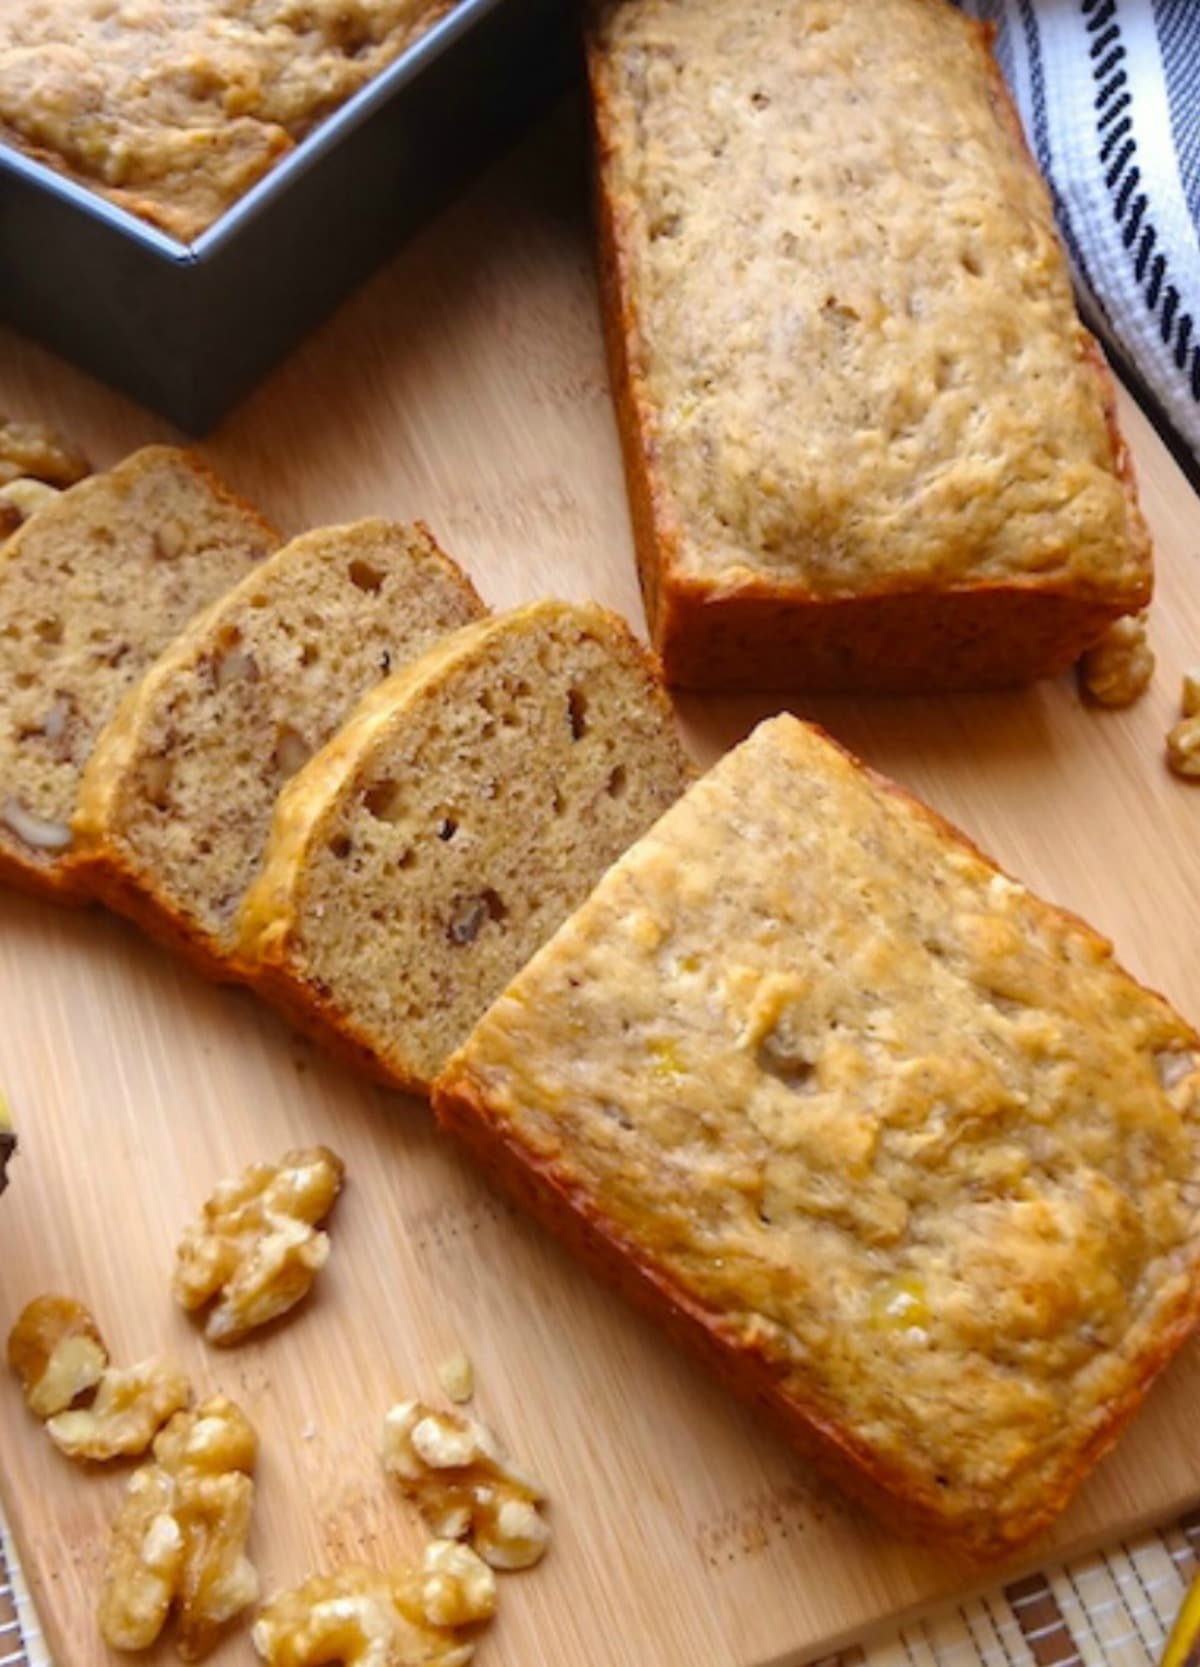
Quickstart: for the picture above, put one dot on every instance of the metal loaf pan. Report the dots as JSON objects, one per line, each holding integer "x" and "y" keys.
{"x": 188, "y": 328}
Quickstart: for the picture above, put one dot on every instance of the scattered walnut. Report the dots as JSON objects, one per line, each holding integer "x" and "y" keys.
{"x": 1183, "y": 748}
{"x": 365, "y": 1618}
{"x": 256, "y": 1244}
{"x": 464, "y": 1485}
{"x": 33, "y": 449}
{"x": 92, "y": 1410}
{"x": 1183, "y": 740}
{"x": 57, "y": 1352}
{"x": 457, "y": 1586}
{"x": 180, "y": 1536}
{"x": 1190, "y": 696}
{"x": 131, "y": 1404}
{"x": 145, "y": 1557}
{"x": 21, "y": 498}
{"x": 1118, "y": 668}
{"x": 457, "y": 1378}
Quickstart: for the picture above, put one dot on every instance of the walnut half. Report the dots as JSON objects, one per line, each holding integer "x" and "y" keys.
{"x": 92, "y": 1409}
{"x": 130, "y": 1405}
{"x": 366, "y": 1618}
{"x": 464, "y": 1485}
{"x": 180, "y": 1536}
{"x": 57, "y": 1352}
{"x": 256, "y": 1248}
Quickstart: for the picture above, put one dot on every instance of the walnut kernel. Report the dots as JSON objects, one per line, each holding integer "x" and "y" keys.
{"x": 457, "y": 1378}
{"x": 1183, "y": 748}
{"x": 145, "y": 1557}
{"x": 57, "y": 1352}
{"x": 365, "y": 1618}
{"x": 1189, "y": 698}
{"x": 256, "y": 1248}
{"x": 464, "y": 1485}
{"x": 180, "y": 1536}
{"x": 131, "y": 1404}
{"x": 36, "y": 450}
{"x": 1118, "y": 668}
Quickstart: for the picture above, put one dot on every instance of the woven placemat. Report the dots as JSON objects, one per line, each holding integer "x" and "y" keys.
{"x": 21, "y": 1641}
{"x": 1112, "y": 1609}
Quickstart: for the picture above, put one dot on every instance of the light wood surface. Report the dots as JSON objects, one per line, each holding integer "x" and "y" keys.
{"x": 465, "y": 384}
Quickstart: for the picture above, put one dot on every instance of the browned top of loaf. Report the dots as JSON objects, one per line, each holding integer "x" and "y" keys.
{"x": 885, "y": 1117}
{"x": 854, "y": 345}
{"x": 91, "y": 589}
{"x": 174, "y": 108}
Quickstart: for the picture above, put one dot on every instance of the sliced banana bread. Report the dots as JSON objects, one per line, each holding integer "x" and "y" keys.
{"x": 92, "y": 588}
{"x": 176, "y": 800}
{"x": 469, "y": 804}
{"x": 896, "y": 1146}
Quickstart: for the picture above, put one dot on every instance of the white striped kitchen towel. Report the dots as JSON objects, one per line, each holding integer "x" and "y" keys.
{"x": 1109, "y": 92}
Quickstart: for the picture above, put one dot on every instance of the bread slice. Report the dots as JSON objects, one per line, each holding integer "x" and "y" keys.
{"x": 469, "y": 804}
{"x": 176, "y": 801}
{"x": 893, "y": 1145}
{"x": 869, "y": 444}
{"x": 92, "y": 588}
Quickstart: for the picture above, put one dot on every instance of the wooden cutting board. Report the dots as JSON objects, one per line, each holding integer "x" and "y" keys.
{"x": 465, "y": 384}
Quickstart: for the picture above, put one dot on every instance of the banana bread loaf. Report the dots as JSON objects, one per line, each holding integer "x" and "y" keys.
{"x": 176, "y": 801}
{"x": 174, "y": 108}
{"x": 471, "y": 801}
{"x": 868, "y": 443}
{"x": 92, "y": 588}
{"x": 894, "y": 1145}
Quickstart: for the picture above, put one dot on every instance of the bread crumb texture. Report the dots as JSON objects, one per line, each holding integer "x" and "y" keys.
{"x": 854, "y": 345}
{"x": 902, "y": 1134}
{"x": 174, "y": 108}
{"x": 468, "y": 805}
{"x": 178, "y": 795}
{"x": 92, "y": 588}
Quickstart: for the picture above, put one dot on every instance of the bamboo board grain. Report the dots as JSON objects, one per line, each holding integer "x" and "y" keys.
{"x": 466, "y": 384}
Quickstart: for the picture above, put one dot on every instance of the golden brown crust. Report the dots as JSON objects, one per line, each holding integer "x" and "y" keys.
{"x": 104, "y": 875}
{"x": 478, "y": 1098}
{"x": 179, "y": 112}
{"x": 907, "y": 643}
{"x": 625, "y": 1267}
{"x": 51, "y": 883}
{"x": 763, "y": 634}
{"x": 315, "y": 1015}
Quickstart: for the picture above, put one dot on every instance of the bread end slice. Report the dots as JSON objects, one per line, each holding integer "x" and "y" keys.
{"x": 92, "y": 588}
